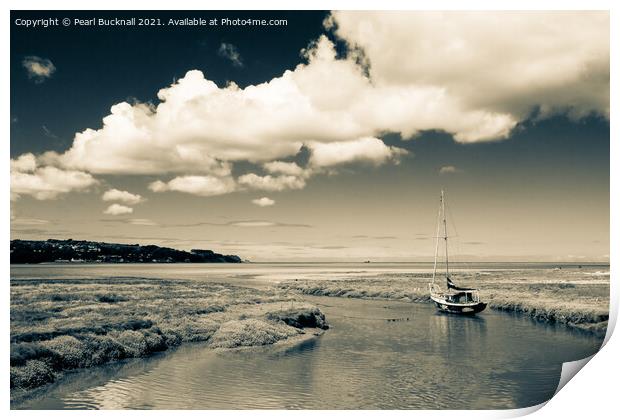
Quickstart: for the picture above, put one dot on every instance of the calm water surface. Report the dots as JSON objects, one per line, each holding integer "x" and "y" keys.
{"x": 366, "y": 360}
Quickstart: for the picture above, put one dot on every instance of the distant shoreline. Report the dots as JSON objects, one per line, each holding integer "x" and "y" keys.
{"x": 125, "y": 262}
{"x": 68, "y": 251}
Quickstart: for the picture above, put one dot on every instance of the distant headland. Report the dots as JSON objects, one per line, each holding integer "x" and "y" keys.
{"x": 69, "y": 250}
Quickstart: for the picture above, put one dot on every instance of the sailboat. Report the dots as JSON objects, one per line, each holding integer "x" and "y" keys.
{"x": 452, "y": 299}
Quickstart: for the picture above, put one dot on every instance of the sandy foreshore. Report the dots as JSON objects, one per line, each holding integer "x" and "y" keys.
{"x": 567, "y": 300}
{"x": 60, "y": 325}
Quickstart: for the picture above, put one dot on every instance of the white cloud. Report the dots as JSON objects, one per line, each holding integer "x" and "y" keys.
{"x": 205, "y": 186}
{"x": 117, "y": 210}
{"x": 26, "y": 221}
{"x": 455, "y": 72}
{"x": 253, "y": 223}
{"x": 201, "y": 128}
{"x": 230, "y": 52}
{"x": 448, "y": 169}
{"x": 158, "y": 186}
{"x": 265, "y": 223}
{"x": 142, "y": 222}
{"x": 38, "y": 69}
{"x": 24, "y": 163}
{"x": 122, "y": 196}
{"x": 286, "y": 168}
{"x": 264, "y": 202}
{"x": 272, "y": 183}
{"x": 498, "y": 62}
{"x": 366, "y": 149}
{"x": 47, "y": 182}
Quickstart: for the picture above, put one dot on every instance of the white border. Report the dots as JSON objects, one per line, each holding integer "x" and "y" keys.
{"x": 592, "y": 394}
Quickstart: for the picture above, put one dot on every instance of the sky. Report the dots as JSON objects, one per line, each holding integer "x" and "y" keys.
{"x": 325, "y": 139}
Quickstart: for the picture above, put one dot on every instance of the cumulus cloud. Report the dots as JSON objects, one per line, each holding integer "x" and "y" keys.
{"x": 118, "y": 210}
{"x": 473, "y": 75}
{"x": 205, "y": 186}
{"x": 201, "y": 128}
{"x": 230, "y": 52}
{"x": 508, "y": 63}
{"x": 38, "y": 69}
{"x": 264, "y": 202}
{"x": 286, "y": 168}
{"x": 448, "y": 169}
{"x": 367, "y": 149}
{"x": 122, "y": 196}
{"x": 272, "y": 183}
{"x": 24, "y": 163}
{"x": 44, "y": 182}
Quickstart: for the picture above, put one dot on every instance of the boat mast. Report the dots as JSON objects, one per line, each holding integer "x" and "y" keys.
{"x": 445, "y": 232}
{"x": 437, "y": 240}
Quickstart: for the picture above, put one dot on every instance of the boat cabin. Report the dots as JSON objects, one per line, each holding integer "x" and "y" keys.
{"x": 463, "y": 296}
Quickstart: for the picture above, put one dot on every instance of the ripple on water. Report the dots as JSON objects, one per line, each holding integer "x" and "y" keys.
{"x": 430, "y": 361}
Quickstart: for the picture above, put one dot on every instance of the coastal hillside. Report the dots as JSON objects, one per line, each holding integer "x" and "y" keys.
{"x": 69, "y": 250}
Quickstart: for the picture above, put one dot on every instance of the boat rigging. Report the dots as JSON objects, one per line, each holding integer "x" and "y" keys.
{"x": 454, "y": 299}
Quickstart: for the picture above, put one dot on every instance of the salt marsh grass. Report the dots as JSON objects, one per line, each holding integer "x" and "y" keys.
{"x": 577, "y": 298}
{"x": 58, "y": 325}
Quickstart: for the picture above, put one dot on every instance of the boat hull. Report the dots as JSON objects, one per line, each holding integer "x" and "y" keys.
{"x": 463, "y": 309}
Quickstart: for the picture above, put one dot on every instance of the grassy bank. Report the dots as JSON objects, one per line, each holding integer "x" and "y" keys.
{"x": 58, "y": 325}
{"x": 575, "y": 299}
